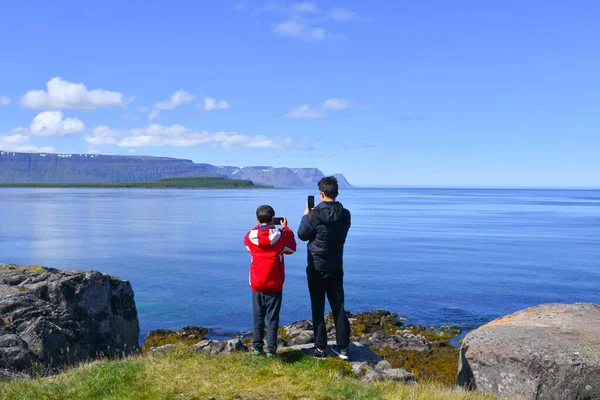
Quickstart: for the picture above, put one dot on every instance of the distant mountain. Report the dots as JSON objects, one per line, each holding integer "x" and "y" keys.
{"x": 93, "y": 168}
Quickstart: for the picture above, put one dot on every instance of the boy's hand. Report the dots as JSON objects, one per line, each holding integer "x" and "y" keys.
{"x": 306, "y": 210}
{"x": 283, "y": 222}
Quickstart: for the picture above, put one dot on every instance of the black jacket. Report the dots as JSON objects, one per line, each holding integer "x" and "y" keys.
{"x": 325, "y": 227}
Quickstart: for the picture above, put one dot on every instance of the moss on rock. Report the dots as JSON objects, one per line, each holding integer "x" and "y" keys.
{"x": 188, "y": 336}
{"x": 435, "y": 334}
{"x": 440, "y": 365}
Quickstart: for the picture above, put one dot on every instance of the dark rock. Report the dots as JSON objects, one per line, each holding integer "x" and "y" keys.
{"x": 398, "y": 341}
{"x": 365, "y": 323}
{"x": 162, "y": 349}
{"x": 54, "y": 318}
{"x": 297, "y": 333}
{"x": 216, "y": 347}
{"x": 383, "y": 365}
{"x": 382, "y": 371}
{"x": 550, "y": 351}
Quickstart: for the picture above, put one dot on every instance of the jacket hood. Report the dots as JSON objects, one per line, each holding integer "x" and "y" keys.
{"x": 329, "y": 212}
{"x": 264, "y": 236}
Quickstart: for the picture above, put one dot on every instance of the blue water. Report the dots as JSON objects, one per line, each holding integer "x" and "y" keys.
{"x": 435, "y": 256}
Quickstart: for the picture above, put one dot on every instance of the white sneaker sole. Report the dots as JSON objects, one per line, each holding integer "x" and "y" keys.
{"x": 340, "y": 355}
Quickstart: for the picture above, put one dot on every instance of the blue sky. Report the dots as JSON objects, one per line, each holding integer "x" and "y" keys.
{"x": 427, "y": 93}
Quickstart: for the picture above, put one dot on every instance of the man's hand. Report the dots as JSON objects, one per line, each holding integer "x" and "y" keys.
{"x": 306, "y": 210}
{"x": 283, "y": 222}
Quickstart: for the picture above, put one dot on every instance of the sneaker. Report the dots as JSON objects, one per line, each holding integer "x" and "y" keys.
{"x": 271, "y": 355}
{"x": 341, "y": 352}
{"x": 319, "y": 353}
{"x": 259, "y": 352}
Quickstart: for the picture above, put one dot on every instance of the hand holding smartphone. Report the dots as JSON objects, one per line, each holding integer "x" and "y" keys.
{"x": 311, "y": 202}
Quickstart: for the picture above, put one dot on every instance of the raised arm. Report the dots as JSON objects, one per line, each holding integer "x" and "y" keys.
{"x": 308, "y": 227}
{"x": 289, "y": 240}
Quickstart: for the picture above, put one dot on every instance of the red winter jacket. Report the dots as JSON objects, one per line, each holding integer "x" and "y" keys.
{"x": 267, "y": 245}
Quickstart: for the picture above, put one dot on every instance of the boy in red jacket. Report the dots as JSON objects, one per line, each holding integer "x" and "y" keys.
{"x": 267, "y": 245}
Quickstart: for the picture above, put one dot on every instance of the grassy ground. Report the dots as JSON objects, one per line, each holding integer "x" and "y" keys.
{"x": 182, "y": 374}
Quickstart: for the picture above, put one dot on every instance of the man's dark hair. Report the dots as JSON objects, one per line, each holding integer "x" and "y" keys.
{"x": 265, "y": 214}
{"x": 329, "y": 186}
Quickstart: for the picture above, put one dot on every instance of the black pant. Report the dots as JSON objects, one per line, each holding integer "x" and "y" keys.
{"x": 332, "y": 285}
{"x": 265, "y": 305}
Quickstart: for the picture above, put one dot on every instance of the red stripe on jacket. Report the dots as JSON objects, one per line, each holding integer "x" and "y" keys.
{"x": 267, "y": 245}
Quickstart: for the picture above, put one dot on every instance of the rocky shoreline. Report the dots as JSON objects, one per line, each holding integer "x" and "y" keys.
{"x": 410, "y": 352}
{"x": 50, "y": 319}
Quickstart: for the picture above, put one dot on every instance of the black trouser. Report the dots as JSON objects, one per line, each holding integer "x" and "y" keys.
{"x": 265, "y": 305}
{"x": 332, "y": 285}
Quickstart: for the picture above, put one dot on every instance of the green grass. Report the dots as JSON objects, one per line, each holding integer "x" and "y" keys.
{"x": 182, "y": 374}
{"x": 175, "y": 183}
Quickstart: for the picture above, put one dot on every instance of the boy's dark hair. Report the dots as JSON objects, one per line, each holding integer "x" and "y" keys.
{"x": 329, "y": 186}
{"x": 265, "y": 214}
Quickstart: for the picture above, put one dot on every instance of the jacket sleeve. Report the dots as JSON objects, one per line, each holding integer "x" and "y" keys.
{"x": 247, "y": 242}
{"x": 308, "y": 226}
{"x": 348, "y": 221}
{"x": 290, "y": 241}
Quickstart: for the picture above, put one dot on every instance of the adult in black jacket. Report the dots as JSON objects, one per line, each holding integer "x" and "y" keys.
{"x": 326, "y": 227}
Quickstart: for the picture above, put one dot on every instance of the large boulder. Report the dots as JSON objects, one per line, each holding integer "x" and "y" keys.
{"x": 550, "y": 351}
{"x": 51, "y": 318}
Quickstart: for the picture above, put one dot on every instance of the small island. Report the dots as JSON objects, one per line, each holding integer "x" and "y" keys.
{"x": 173, "y": 183}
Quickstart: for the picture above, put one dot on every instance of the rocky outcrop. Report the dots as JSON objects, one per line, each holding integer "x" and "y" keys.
{"x": 219, "y": 347}
{"x": 297, "y": 333}
{"x": 550, "y": 351}
{"x": 50, "y": 318}
{"x": 398, "y": 341}
{"x": 412, "y": 352}
{"x": 192, "y": 337}
{"x": 381, "y": 371}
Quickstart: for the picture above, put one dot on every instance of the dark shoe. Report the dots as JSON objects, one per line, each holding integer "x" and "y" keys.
{"x": 341, "y": 352}
{"x": 271, "y": 355}
{"x": 319, "y": 353}
{"x": 258, "y": 352}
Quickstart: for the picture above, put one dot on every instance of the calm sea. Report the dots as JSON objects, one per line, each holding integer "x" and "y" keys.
{"x": 435, "y": 256}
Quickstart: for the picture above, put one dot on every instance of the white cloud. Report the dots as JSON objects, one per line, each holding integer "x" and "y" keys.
{"x": 306, "y": 111}
{"x": 305, "y": 7}
{"x": 211, "y": 104}
{"x": 299, "y": 30}
{"x": 342, "y": 15}
{"x": 62, "y": 94}
{"x": 177, "y": 99}
{"x": 4, "y": 101}
{"x": 239, "y": 6}
{"x": 153, "y": 115}
{"x": 102, "y": 135}
{"x": 52, "y": 123}
{"x": 336, "y": 104}
{"x": 156, "y": 135}
{"x": 21, "y": 143}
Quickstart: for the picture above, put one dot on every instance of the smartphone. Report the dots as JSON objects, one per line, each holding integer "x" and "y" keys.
{"x": 311, "y": 202}
{"x": 277, "y": 221}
